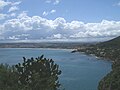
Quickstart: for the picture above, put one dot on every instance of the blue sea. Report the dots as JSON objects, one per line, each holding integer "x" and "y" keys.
{"x": 79, "y": 71}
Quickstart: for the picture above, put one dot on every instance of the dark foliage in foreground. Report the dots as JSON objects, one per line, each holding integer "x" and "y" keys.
{"x": 8, "y": 78}
{"x": 33, "y": 74}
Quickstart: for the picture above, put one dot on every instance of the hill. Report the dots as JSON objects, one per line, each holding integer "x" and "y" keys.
{"x": 110, "y": 50}
{"x": 115, "y": 43}
{"x": 112, "y": 80}
{"x": 64, "y": 45}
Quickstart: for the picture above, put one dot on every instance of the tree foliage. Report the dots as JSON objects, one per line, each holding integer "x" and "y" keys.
{"x": 33, "y": 74}
{"x": 8, "y": 77}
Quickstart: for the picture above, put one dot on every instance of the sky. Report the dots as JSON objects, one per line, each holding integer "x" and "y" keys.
{"x": 59, "y": 20}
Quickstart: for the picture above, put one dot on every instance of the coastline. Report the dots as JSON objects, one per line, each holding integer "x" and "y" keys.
{"x": 97, "y": 57}
{"x": 41, "y": 48}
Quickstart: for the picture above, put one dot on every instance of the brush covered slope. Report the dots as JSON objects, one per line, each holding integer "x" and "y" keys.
{"x": 114, "y": 43}
{"x": 110, "y": 50}
{"x": 112, "y": 80}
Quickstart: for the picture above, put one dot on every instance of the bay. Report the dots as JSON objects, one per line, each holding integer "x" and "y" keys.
{"x": 79, "y": 71}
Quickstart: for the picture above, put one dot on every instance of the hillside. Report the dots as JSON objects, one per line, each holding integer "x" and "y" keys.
{"x": 110, "y": 50}
{"x": 112, "y": 80}
{"x": 115, "y": 43}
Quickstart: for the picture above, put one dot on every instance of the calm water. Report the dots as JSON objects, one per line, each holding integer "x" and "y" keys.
{"x": 79, "y": 71}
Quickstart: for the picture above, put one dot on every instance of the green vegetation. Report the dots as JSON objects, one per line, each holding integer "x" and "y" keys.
{"x": 114, "y": 43}
{"x": 109, "y": 50}
{"x": 33, "y": 74}
{"x": 112, "y": 80}
{"x": 8, "y": 78}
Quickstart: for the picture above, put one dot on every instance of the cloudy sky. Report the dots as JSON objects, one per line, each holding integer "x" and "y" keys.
{"x": 59, "y": 20}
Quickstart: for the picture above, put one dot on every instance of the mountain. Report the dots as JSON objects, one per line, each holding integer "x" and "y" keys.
{"x": 112, "y": 80}
{"x": 114, "y": 43}
{"x": 110, "y": 50}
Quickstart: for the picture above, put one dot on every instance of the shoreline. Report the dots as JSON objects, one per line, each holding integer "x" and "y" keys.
{"x": 97, "y": 57}
{"x": 41, "y": 48}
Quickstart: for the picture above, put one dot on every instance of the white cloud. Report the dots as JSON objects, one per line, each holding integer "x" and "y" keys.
{"x": 55, "y": 2}
{"x": 22, "y": 15}
{"x": 57, "y": 36}
{"x": 13, "y": 38}
{"x": 17, "y": 37}
{"x": 117, "y": 3}
{"x": 3, "y": 4}
{"x": 16, "y": 3}
{"x": 3, "y": 16}
{"x": 13, "y": 8}
{"x": 13, "y": 14}
{"x": 52, "y": 11}
{"x": 45, "y": 13}
{"x": 36, "y": 27}
{"x": 48, "y": 1}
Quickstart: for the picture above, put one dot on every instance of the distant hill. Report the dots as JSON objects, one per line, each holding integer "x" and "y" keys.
{"x": 65, "y": 45}
{"x": 115, "y": 43}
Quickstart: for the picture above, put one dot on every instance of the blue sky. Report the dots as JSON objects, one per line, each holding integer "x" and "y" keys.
{"x": 83, "y": 10}
{"x": 59, "y": 19}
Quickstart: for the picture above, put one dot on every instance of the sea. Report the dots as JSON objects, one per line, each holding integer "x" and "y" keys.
{"x": 79, "y": 71}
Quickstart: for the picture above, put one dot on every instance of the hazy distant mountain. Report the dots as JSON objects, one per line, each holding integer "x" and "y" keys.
{"x": 66, "y": 45}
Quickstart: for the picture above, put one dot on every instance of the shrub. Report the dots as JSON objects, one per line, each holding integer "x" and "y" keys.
{"x": 33, "y": 74}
